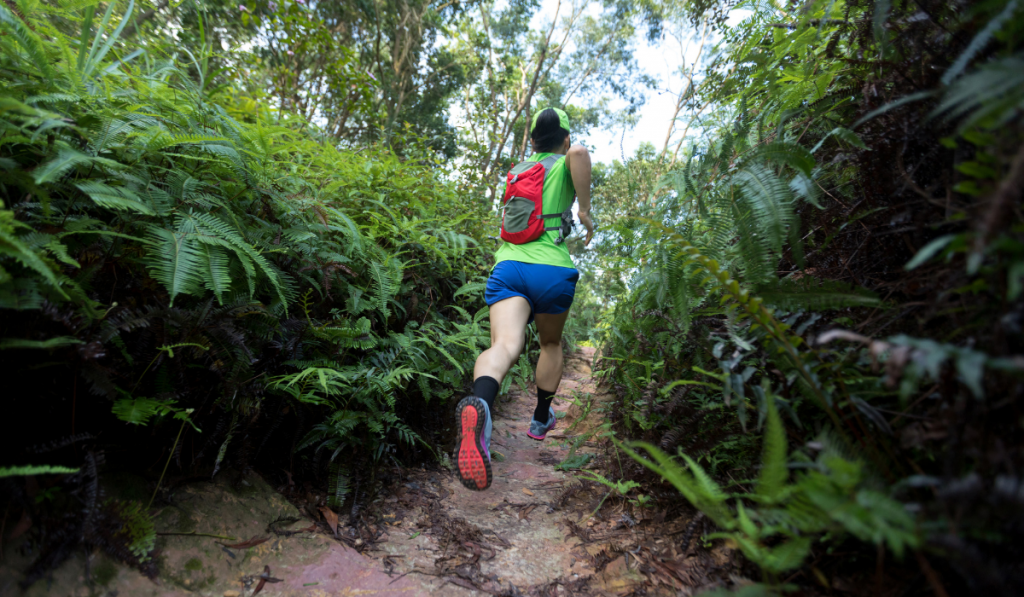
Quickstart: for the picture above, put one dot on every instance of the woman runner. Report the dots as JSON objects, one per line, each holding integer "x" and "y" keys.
{"x": 531, "y": 281}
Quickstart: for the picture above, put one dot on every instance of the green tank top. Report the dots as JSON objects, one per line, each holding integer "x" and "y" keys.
{"x": 558, "y": 195}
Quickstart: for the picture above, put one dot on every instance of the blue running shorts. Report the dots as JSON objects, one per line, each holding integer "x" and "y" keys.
{"x": 548, "y": 288}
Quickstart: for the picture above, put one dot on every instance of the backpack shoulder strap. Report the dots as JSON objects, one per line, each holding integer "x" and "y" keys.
{"x": 546, "y": 163}
{"x": 550, "y": 161}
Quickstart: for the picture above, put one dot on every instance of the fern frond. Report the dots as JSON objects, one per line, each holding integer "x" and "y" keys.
{"x": 118, "y": 198}
{"x": 339, "y": 485}
{"x": 978, "y": 43}
{"x": 770, "y": 199}
{"x": 786, "y": 154}
{"x": 773, "y": 460}
{"x": 216, "y": 275}
{"x": 28, "y": 40}
{"x": 988, "y": 96}
{"x": 35, "y": 469}
{"x": 175, "y": 261}
{"x": 811, "y": 293}
{"x": 702, "y": 492}
{"x": 383, "y": 286}
{"x": 55, "y": 168}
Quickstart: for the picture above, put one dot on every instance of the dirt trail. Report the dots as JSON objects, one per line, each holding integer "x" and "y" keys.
{"x": 510, "y": 538}
{"x": 531, "y": 533}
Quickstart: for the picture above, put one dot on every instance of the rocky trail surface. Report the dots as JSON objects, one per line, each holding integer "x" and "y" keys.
{"x": 534, "y": 532}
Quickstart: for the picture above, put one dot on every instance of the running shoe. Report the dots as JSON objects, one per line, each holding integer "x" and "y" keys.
{"x": 539, "y": 430}
{"x": 474, "y": 458}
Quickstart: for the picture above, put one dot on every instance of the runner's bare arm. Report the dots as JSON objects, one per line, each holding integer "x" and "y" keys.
{"x": 578, "y": 159}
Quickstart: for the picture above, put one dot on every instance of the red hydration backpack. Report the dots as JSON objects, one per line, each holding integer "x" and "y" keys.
{"x": 522, "y": 217}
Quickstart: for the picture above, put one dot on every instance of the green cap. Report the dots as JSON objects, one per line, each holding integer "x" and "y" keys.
{"x": 563, "y": 119}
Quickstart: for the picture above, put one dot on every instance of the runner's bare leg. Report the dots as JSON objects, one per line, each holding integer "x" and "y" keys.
{"x": 508, "y": 334}
{"x": 549, "y": 366}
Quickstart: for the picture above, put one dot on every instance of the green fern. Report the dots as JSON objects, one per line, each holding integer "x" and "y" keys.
{"x": 216, "y": 273}
{"x": 137, "y": 528}
{"x": 175, "y": 261}
{"x": 29, "y": 41}
{"x": 117, "y": 198}
{"x": 339, "y": 484}
{"x": 979, "y": 42}
{"x": 694, "y": 484}
{"x": 384, "y": 278}
{"x": 138, "y": 411}
{"x": 49, "y": 343}
{"x": 986, "y": 97}
{"x": 35, "y": 469}
{"x": 774, "y": 472}
{"x": 814, "y": 294}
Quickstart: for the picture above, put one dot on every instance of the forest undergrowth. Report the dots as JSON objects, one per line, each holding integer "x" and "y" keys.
{"x": 193, "y": 281}
{"x": 821, "y": 350}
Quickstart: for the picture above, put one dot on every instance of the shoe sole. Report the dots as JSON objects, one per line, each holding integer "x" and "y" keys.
{"x": 545, "y": 433}
{"x": 473, "y": 467}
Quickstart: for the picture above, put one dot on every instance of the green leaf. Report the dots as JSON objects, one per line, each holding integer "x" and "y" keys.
{"x": 788, "y": 556}
{"x": 95, "y": 57}
{"x": 842, "y": 133}
{"x": 118, "y": 198}
{"x": 138, "y": 411}
{"x": 58, "y": 342}
{"x": 790, "y": 154}
{"x": 576, "y": 461}
{"x": 929, "y": 250}
{"x": 55, "y": 168}
{"x": 970, "y": 365}
{"x": 695, "y": 485}
{"x": 977, "y": 170}
{"x": 35, "y": 469}
{"x": 744, "y": 523}
{"x": 15, "y": 248}
{"x": 175, "y": 261}
{"x": 28, "y": 40}
{"x": 907, "y": 99}
{"x": 83, "y": 36}
{"x": 216, "y": 276}
{"x": 773, "y": 459}
{"x": 978, "y": 43}
{"x": 471, "y": 288}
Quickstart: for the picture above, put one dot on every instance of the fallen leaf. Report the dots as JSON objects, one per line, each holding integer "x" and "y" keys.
{"x": 525, "y": 512}
{"x": 331, "y": 518}
{"x": 527, "y": 492}
{"x": 264, "y": 579}
{"x": 247, "y": 544}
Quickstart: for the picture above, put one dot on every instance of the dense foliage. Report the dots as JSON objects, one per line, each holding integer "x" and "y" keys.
{"x": 175, "y": 251}
{"x": 827, "y": 288}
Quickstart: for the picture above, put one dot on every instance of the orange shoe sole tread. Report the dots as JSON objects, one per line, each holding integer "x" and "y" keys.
{"x": 473, "y": 468}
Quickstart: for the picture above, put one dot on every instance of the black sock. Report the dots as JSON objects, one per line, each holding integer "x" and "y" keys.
{"x": 544, "y": 399}
{"x": 486, "y": 388}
